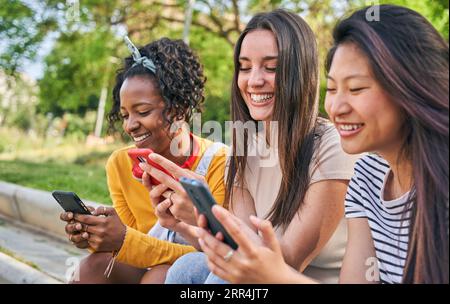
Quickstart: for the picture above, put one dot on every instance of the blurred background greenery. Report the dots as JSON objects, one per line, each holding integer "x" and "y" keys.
{"x": 48, "y": 134}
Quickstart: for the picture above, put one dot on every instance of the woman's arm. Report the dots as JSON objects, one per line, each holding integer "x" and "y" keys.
{"x": 116, "y": 192}
{"x": 253, "y": 263}
{"x": 360, "y": 263}
{"x": 315, "y": 222}
{"x": 242, "y": 205}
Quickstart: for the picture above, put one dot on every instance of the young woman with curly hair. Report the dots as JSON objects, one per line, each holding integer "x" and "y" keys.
{"x": 161, "y": 84}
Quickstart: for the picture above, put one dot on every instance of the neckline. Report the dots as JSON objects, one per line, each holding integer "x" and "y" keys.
{"x": 396, "y": 201}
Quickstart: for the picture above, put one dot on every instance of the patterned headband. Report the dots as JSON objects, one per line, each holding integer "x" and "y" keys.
{"x": 138, "y": 59}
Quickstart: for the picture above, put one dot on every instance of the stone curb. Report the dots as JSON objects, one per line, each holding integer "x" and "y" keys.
{"x": 16, "y": 272}
{"x": 36, "y": 208}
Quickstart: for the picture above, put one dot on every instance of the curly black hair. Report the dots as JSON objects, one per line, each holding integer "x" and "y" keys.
{"x": 179, "y": 76}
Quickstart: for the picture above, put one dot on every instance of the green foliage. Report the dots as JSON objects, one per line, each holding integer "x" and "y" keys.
{"x": 217, "y": 58}
{"x": 79, "y": 64}
{"x": 79, "y": 126}
{"x": 75, "y": 72}
{"x": 22, "y": 29}
{"x": 436, "y": 11}
{"x": 87, "y": 181}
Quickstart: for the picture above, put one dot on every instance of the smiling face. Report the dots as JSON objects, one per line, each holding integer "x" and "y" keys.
{"x": 363, "y": 113}
{"x": 256, "y": 79}
{"x": 141, "y": 108}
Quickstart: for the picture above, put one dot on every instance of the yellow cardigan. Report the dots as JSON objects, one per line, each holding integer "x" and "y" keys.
{"x": 132, "y": 202}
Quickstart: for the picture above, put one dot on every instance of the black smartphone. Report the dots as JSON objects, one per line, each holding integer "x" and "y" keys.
{"x": 204, "y": 201}
{"x": 70, "y": 202}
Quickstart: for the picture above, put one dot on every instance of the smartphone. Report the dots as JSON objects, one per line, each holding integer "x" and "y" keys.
{"x": 141, "y": 156}
{"x": 204, "y": 201}
{"x": 70, "y": 202}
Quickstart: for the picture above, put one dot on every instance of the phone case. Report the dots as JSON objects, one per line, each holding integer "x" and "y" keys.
{"x": 204, "y": 201}
{"x": 70, "y": 202}
{"x": 141, "y": 156}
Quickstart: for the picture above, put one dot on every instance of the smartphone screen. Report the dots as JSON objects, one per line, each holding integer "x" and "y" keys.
{"x": 70, "y": 202}
{"x": 204, "y": 201}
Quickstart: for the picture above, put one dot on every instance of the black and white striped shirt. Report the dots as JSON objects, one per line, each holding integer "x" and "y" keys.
{"x": 388, "y": 220}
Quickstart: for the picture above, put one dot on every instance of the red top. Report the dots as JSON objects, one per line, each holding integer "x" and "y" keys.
{"x": 192, "y": 158}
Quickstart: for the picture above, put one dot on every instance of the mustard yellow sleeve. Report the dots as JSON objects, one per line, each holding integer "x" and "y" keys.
{"x": 142, "y": 251}
{"x": 215, "y": 177}
{"x": 116, "y": 193}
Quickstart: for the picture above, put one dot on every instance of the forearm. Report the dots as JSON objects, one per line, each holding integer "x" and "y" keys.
{"x": 142, "y": 251}
{"x": 300, "y": 255}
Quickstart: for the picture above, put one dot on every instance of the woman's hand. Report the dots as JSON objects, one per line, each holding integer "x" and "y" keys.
{"x": 181, "y": 207}
{"x": 160, "y": 196}
{"x": 102, "y": 233}
{"x": 254, "y": 261}
{"x": 73, "y": 229}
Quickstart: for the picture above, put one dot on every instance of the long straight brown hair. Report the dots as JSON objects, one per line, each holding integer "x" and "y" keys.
{"x": 295, "y": 110}
{"x": 409, "y": 59}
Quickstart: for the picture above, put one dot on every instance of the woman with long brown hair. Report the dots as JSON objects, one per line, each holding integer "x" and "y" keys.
{"x": 388, "y": 89}
{"x": 300, "y": 184}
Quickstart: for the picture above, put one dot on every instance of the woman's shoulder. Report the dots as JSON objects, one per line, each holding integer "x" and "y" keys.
{"x": 118, "y": 156}
{"x": 327, "y": 140}
{"x": 214, "y": 150}
{"x": 330, "y": 161}
{"x": 324, "y": 130}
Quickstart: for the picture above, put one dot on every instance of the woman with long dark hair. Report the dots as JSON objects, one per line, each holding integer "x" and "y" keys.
{"x": 388, "y": 89}
{"x": 300, "y": 183}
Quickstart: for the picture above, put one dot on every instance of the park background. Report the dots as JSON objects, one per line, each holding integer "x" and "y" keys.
{"x": 58, "y": 60}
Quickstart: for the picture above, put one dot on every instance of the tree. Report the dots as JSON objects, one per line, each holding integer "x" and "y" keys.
{"x": 75, "y": 69}
{"x": 22, "y": 30}
{"x": 75, "y": 72}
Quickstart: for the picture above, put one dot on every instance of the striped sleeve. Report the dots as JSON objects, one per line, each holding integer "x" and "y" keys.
{"x": 354, "y": 206}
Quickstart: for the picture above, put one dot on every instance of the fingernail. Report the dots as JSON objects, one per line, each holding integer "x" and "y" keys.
{"x": 70, "y": 216}
{"x": 78, "y": 226}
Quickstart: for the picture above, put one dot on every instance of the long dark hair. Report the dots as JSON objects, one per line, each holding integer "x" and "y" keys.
{"x": 295, "y": 109}
{"x": 179, "y": 77}
{"x": 409, "y": 59}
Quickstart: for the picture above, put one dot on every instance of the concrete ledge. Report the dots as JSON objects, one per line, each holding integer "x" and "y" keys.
{"x": 7, "y": 200}
{"x": 36, "y": 208}
{"x": 15, "y": 272}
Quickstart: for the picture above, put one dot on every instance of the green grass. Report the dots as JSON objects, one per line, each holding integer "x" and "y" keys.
{"x": 87, "y": 180}
{"x": 16, "y": 257}
{"x": 56, "y": 163}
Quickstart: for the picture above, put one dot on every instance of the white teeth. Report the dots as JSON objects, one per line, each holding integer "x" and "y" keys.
{"x": 141, "y": 138}
{"x": 349, "y": 127}
{"x": 260, "y": 98}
